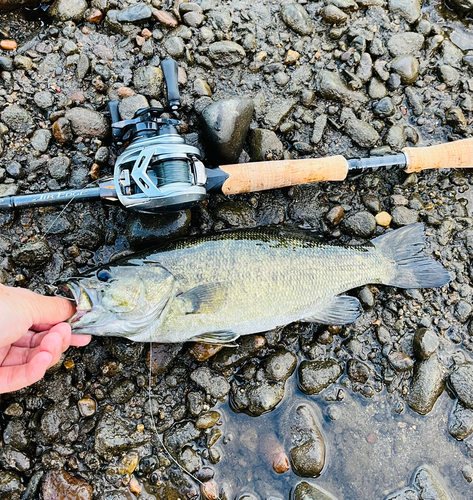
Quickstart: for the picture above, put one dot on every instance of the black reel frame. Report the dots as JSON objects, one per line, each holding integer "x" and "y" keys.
{"x": 157, "y": 172}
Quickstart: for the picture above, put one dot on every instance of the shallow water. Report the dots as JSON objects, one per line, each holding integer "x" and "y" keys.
{"x": 371, "y": 450}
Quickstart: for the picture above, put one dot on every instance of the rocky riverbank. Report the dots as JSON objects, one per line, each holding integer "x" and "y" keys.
{"x": 292, "y": 80}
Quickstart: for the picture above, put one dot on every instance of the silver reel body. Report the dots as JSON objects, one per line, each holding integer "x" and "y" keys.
{"x": 160, "y": 174}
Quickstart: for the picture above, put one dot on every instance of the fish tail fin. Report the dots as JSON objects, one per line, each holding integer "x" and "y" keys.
{"x": 411, "y": 268}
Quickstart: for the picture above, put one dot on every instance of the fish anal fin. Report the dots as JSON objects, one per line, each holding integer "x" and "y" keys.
{"x": 225, "y": 338}
{"x": 203, "y": 298}
{"x": 341, "y": 310}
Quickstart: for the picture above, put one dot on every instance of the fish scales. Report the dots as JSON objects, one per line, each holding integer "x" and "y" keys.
{"x": 274, "y": 281}
{"x": 217, "y": 288}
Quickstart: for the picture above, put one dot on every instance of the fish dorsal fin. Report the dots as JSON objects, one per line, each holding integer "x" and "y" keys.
{"x": 338, "y": 311}
{"x": 225, "y": 338}
{"x": 203, "y": 299}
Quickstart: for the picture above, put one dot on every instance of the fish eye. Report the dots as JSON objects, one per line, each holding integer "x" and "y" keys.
{"x": 104, "y": 275}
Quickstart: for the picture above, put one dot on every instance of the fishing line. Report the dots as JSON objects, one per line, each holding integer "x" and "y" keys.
{"x": 155, "y": 429}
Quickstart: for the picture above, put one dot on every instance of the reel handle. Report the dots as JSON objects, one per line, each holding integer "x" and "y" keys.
{"x": 457, "y": 154}
{"x": 115, "y": 116}
{"x": 259, "y": 176}
{"x": 170, "y": 70}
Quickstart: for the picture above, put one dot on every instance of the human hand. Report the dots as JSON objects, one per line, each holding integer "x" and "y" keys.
{"x": 32, "y": 336}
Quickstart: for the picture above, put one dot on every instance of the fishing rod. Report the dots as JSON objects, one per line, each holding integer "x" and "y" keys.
{"x": 158, "y": 172}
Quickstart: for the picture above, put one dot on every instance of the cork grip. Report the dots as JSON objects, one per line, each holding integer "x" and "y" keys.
{"x": 258, "y": 176}
{"x": 458, "y": 154}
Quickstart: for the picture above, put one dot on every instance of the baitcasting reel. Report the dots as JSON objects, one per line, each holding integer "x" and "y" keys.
{"x": 157, "y": 172}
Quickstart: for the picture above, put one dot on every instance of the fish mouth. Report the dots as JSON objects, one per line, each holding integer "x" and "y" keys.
{"x": 84, "y": 300}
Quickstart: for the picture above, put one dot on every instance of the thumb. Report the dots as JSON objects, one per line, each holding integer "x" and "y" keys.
{"x": 21, "y": 309}
{"x": 47, "y": 311}
{"x": 35, "y": 309}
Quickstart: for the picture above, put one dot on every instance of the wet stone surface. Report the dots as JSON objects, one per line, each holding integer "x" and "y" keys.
{"x": 270, "y": 81}
{"x": 307, "y": 444}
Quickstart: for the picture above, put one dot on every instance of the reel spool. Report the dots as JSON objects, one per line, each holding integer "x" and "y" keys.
{"x": 158, "y": 172}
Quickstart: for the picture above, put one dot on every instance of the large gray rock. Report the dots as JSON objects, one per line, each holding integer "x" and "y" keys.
{"x": 215, "y": 385}
{"x": 449, "y": 75}
{"x": 461, "y": 380}
{"x": 427, "y": 384}
{"x": 135, "y": 14}
{"x": 361, "y": 224}
{"x": 307, "y": 444}
{"x": 14, "y": 459}
{"x": 385, "y": 108}
{"x": 314, "y": 376}
{"x": 265, "y": 145}
{"x": 8, "y": 190}
{"x": 331, "y": 86}
{"x": 175, "y": 46}
{"x": 88, "y": 123}
{"x": 460, "y": 422}
{"x": 225, "y": 125}
{"x": 403, "y": 216}
{"x": 32, "y": 254}
{"x": 236, "y": 214}
{"x": 143, "y": 230}
{"x": 409, "y": 10}
{"x": 130, "y": 105}
{"x": 280, "y": 366}
{"x": 407, "y": 67}
{"x": 297, "y": 18}
{"x": 148, "y": 81}
{"x": 396, "y": 138}
{"x": 257, "y": 397}
{"x": 113, "y": 436}
{"x": 44, "y": 99}
{"x": 83, "y": 66}
{"x": 180, "y": 435}
{"x": 226, "y": 53}
{"x": 425, "y": 343}
{"x": 319, "y": 128}
{"x": 277, "y": 111}
{"x": 362, "y": 133}
{"x": 17, "y": 119}
{"x": 451, "y": 54}
{"x": 6, "y": 64}
{"x": 40, "y": 140}
{"x": 59, "y": 167}
{"x": 68, "y": 10}
{"x": 404, "y": 43}
{"x": 415, "y": 101}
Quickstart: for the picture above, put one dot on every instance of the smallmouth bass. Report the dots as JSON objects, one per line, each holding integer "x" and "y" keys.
{"x": 216, "y": 288}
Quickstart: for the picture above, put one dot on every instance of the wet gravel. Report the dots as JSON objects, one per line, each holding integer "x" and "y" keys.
{"x": 378, "y": 409}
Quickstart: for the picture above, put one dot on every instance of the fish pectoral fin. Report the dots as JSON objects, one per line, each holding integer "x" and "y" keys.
{"x": 338, "y": 311}
{"x": 203, "y": 299}
{"x": 225, "y": 338}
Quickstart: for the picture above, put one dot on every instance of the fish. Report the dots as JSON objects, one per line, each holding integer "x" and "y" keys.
{"x": 216, "y": 288}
